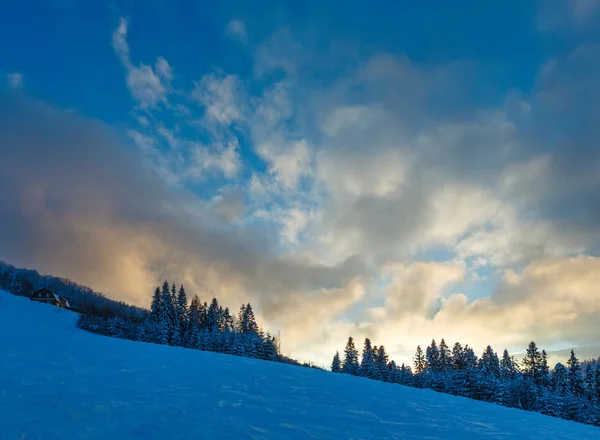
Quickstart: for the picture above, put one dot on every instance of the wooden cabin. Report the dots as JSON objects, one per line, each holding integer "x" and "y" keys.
{"x": 49, "y": 297}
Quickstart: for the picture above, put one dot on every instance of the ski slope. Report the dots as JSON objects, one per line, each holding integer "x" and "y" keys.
{"x": 59, "y": 382}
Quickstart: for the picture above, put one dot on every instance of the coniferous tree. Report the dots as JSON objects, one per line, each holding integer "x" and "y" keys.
{"x": 381, "y": 364}
{"x": 419, "y": 361}
{"x": 350, "y": 365}
{"x": 193, "y": 322}
{"x": 336, "y": 364}
{"x": 532, "y": 363}
{"x": 458, "y": 357}
{"x": 445, "y": 358}
{"x": 544, "y": 370}
{"x": 432, "y": 354}
{"x": 182, "y": 307}
{"x": 155, "y": 311}
{"x": 367, "y": 363}
{"x": 575, "y": 379}
{"x": 489, "y": 363}
{"x": 168, "y": 316}
{"x": 508, "y": 366}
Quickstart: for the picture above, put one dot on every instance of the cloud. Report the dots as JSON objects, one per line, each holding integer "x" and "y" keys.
{"x": 77, "y": 202}
{"x": 221, "y": 98}
{"x": 15, "y": 80}
{"x": 236, "y": 29}
{"x": 149, "y": 86}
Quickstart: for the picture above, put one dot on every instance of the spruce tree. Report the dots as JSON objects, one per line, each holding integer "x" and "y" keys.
{"x": 336, "y": 364}
{"x": 458, "y": 357}
{"x": 575, "y": 379}
{"x": 433, "y": 357}
{"x": 350, "y": 365}
{"x": 560, "y": 380}
{"x": 182, "y": 306}
{"x": 155, "y": 311}
{"x": 367, "y": 363}
{"x": 532, "y": 363}
{"x": 419, "y": 361}
{"x": 508, "y": 369}
{"x": 544, "y": 370}
{"x": 381, "y": 364}
{"x": 445, "y": 357}
{"x": 193, "y": 322}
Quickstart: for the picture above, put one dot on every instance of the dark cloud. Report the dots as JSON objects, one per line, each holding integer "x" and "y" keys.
{"x": 76, "y": 201}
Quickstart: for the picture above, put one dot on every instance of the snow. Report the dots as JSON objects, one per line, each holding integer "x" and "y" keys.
{"x": 59, "y": 382}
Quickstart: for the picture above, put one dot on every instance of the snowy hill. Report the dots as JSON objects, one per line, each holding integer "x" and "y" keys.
{"x": 59, "y": 382}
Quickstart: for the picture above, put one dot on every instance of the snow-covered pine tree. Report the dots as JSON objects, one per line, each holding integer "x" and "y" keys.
{"x": 532, "y": 363}
{"x": 589, "y": 382}
{"x": 193, "y": 323}
{"x": 367, "y": 362}
{"x": 155, "y": 305}
{"x": 432, "y": 353}
{"x": 419, "y": 361}
{"x": 16, "y": 286}
{"x": 575, "y": 378}
{"x": 181, "y": 308}
{"x": 489, "y": 363}
{"x": 167, "y": 317}
{"x": 544, "y": 371}
{"x": 213, "y": 316}
{"x": 247, "y": 320}
{"x": 336, "y": 363}
{"x": 381, "y": 364}
{"x": 350, "y": 364}
{"x": 508, "y": 366}
{"x": 227, "y": 320}
{"x": 445, "y": 357}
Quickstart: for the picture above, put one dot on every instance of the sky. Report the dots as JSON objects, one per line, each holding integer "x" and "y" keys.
{"x": 401, "y": 171}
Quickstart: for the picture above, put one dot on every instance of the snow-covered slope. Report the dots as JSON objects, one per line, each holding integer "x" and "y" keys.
{"x": 59, "y": 382}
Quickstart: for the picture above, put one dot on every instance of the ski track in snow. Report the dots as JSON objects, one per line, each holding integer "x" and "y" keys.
{"x": 59, "y": 382}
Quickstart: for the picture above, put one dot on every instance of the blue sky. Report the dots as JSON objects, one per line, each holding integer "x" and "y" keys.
{"x": 400, "y": 170}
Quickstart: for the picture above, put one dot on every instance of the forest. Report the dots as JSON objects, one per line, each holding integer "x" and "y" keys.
{"x": 570, "y": 391}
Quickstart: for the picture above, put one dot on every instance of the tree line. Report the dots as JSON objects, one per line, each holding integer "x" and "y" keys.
{"x": 203, "y": 326}
{"x": 23, "y": 282}
{"x": 570, "y": 392}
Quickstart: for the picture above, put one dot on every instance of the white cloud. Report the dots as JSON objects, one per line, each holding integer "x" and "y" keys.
{"x": 224, "y": 159}
{"x": 149, "y": 86}
{"x": 15, "y": 80}
{"x": 236, "y": 29}
{"x": 221, "y": 98}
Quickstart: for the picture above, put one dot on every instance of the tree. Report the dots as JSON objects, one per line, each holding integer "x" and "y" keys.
{"x": 155, "y": 310}
{"x": 445, "y": 357}
{"x": 367, "y": 363}
{"x": 489, "y": 363}
{"x": 381, "y": 364}
{"x": 247, "y": 321}
{"x": 167, "y": 318}
{"x": 16, "y": 286}
{"x": 433, "y": 357}
{"x": 181, "y": 307}
{"x": 575, "y": 379}
{"x": 193, "y": 322}
{"x": 419, "y": 361}
{"x": 532, "y": 363}
{"x": 458, "y": 357}
{"x": 336, "y": 364}
{"x": 350, "y": 365}
{"x": 544, "y": 370}
{"x": 508, "y": 366}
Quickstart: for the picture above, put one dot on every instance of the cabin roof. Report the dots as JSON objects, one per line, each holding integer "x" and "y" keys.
{"x": 47, "y": 294}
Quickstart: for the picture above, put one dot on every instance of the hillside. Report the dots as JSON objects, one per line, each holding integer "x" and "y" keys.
{"x": 59, "y": 382}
